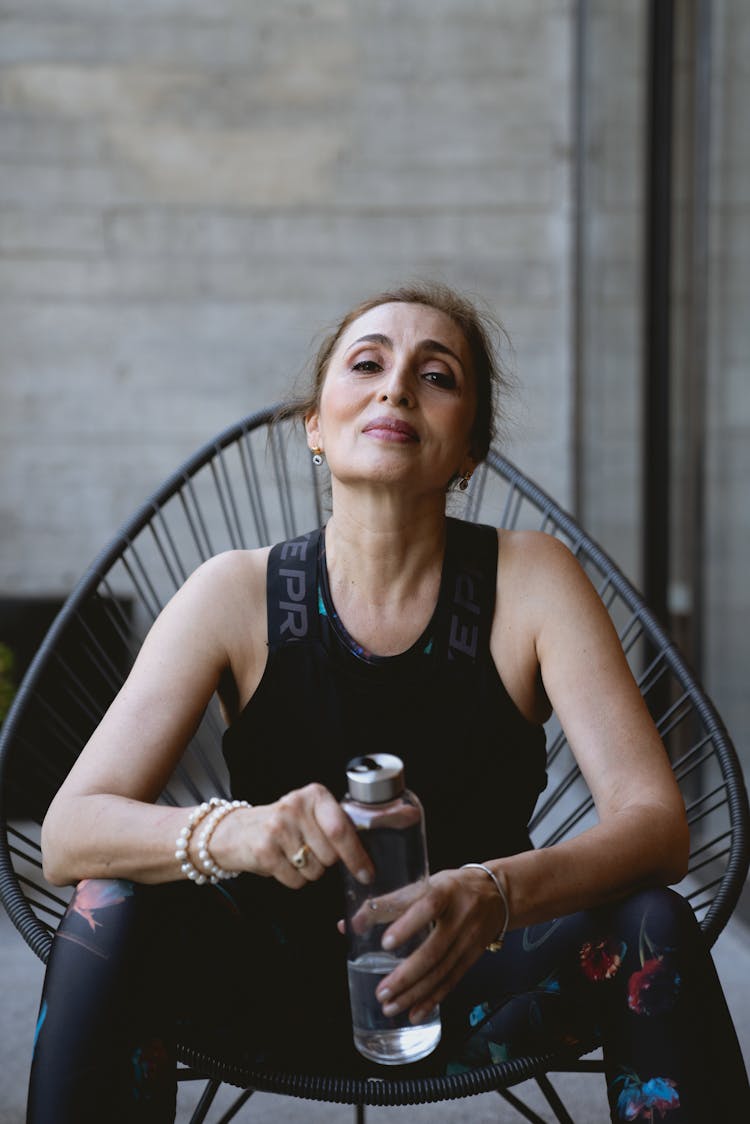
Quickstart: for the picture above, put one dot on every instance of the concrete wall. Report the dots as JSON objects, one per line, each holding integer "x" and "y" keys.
{"x": 615, "y": 75}
{"x": 728, "y": 404}
{"x": 191, "y": 191}
{"x": 610, "y": 374}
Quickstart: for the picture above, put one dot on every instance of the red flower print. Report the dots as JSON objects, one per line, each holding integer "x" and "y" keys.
{"x": 654, "y": 988}
{"x": 601, "y": 960}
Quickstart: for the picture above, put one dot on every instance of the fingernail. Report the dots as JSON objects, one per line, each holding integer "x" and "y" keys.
{"x": 390, "y": 1009}
{"x": 383, "y": 993}
{"x": 418, "y": 1016}
{"x": 364, "y": 877}
{"x": 388, "y": 941}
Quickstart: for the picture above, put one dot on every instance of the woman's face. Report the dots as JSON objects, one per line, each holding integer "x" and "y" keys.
{"x": 398, "y": 401}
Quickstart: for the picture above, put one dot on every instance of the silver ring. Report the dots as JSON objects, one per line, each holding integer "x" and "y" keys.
{"x": 299, "y": 858}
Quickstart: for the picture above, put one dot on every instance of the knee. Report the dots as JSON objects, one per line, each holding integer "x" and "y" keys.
{"x": 663, "y": 901}
{"x": 107, "y": 916}
{"x": 93, "y": 898}
{"x": 658, "y": 915}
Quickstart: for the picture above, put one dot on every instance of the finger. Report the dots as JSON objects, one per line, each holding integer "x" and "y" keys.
{"x": 456, "y": 939}
{"x": 387, "y": 907}
{"x": 443, "y": 899}
{"x": 269, "y": 843}
{"x": 402, "y": 994}
{"x": 317, "y": 840}
{"x": 285, "y": 873}
{"x": 295, "y": 829}
{"x": 431, "y": 987}
{"x": 341, "y": 835}
{"x": 306, "y": 863}
{"x": 314, "y": 853}
{"x": 313, "y": 813}
{"x": 420, "y": 911}
{"x": 280, "y": 837}
{"x": 420, "y": 1006}
{"x": 395, "y": 904}
{"x": 366, "y": 917}
{"x": 434, "y": 952}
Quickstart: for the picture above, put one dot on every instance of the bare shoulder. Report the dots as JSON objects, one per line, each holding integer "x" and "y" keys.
{"x": 543, "y": 590}
{"x": 539, "y": 581}
{"x": 536, "y": 564}
{"x": 217, "y": 601}
{"x": 543, "y": 584}
{"x": 535, "y": 546}
{"x": 228, "y": 573}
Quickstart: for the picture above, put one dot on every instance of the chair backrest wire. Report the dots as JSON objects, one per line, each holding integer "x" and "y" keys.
{"x": 252, "y": 485}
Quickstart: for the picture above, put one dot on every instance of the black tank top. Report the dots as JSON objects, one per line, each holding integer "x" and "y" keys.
{"x": 475, "y": 762}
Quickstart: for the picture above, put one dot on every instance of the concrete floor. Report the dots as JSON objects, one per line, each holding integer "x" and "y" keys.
{"x": 21, "y": 975}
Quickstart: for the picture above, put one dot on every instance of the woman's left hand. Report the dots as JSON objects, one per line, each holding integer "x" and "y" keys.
{"x": 466, "y": 913}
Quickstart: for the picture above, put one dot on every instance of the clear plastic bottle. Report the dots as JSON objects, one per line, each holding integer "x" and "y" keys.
{"x": 390, "y": 822}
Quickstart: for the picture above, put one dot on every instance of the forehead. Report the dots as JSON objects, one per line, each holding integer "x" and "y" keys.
{"x": 408, "y": 324}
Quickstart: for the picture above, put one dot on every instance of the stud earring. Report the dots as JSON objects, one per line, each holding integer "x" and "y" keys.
{"x": 317, "y": 456}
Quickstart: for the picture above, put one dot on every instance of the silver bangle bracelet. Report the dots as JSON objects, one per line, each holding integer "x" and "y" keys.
{"x": 497, "y": 944}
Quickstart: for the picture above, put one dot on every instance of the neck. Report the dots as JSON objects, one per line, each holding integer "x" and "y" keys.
{"x": 381, "y": 558}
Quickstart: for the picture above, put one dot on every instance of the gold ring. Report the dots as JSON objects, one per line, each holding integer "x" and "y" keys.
{"x": 299, "y": 858}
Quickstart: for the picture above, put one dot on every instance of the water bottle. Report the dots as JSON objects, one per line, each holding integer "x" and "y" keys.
{"x": 390, "y": 823}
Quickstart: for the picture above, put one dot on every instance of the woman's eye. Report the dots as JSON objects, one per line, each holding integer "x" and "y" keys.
{"x": 444, "y": 379}
{"x": 366, "y": 365}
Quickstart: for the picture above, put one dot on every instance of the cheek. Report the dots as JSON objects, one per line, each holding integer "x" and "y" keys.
{"x": 338, "y": 404}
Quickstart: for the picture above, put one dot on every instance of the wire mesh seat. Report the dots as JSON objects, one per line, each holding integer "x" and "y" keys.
{"x": 253, "y": 485}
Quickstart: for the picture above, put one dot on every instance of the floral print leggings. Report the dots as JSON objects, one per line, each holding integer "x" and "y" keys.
{"x": 134, "y": 967}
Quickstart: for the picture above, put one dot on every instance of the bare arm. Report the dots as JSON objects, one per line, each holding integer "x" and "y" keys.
{"x": 641, "y": 837}
{"x": 103, "y": 822}
{"x": 554, "y": 643}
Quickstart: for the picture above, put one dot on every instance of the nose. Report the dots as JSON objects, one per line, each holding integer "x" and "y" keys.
{"x": 396, "y": 388}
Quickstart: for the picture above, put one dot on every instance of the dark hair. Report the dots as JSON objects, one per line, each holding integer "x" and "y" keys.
{"x": 480, "y": 330}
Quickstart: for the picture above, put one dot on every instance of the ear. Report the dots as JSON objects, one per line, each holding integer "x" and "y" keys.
{"x": 312, "y": 428}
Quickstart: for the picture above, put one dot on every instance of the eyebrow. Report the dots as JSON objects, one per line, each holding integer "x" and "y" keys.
{"x": 425, "y": 345}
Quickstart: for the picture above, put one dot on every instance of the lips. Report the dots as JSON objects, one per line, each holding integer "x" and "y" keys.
{"x": 392, "y": 428}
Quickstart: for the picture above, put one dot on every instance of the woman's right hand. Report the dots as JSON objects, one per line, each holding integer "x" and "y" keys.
{"x": 307, "y": 823}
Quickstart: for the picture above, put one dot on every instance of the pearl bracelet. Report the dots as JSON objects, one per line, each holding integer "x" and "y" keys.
{"x": 214, "y": 873}
{"x": 497, "y": 944}
{"x": 182, "y": 844}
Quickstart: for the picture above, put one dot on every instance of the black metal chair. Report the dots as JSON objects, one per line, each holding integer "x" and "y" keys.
{"x": 252, "y": 485}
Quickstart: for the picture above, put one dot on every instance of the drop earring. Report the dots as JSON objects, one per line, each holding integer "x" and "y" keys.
{"x": 317, "y": 456}
{"x": 464, "y": 481}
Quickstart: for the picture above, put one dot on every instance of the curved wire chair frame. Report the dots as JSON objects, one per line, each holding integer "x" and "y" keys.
{"x": 252, "y": 485}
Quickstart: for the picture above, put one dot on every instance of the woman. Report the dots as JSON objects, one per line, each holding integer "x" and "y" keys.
{"x": 393, "y": 627}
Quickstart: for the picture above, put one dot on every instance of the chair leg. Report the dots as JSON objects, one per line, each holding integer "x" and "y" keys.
{"x": 553, "y": 1099}
{"x": 520, "y": 1107}
{"x": 207, "y": 1097}
{"x": 235, "y": 1108}
{"x": 359, "y": 1114}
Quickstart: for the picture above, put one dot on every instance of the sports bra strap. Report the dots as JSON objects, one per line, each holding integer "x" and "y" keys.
{"x": 471, "y": 585}
{"x": 291, "y": 590}
{"x": 463, "y": 621}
